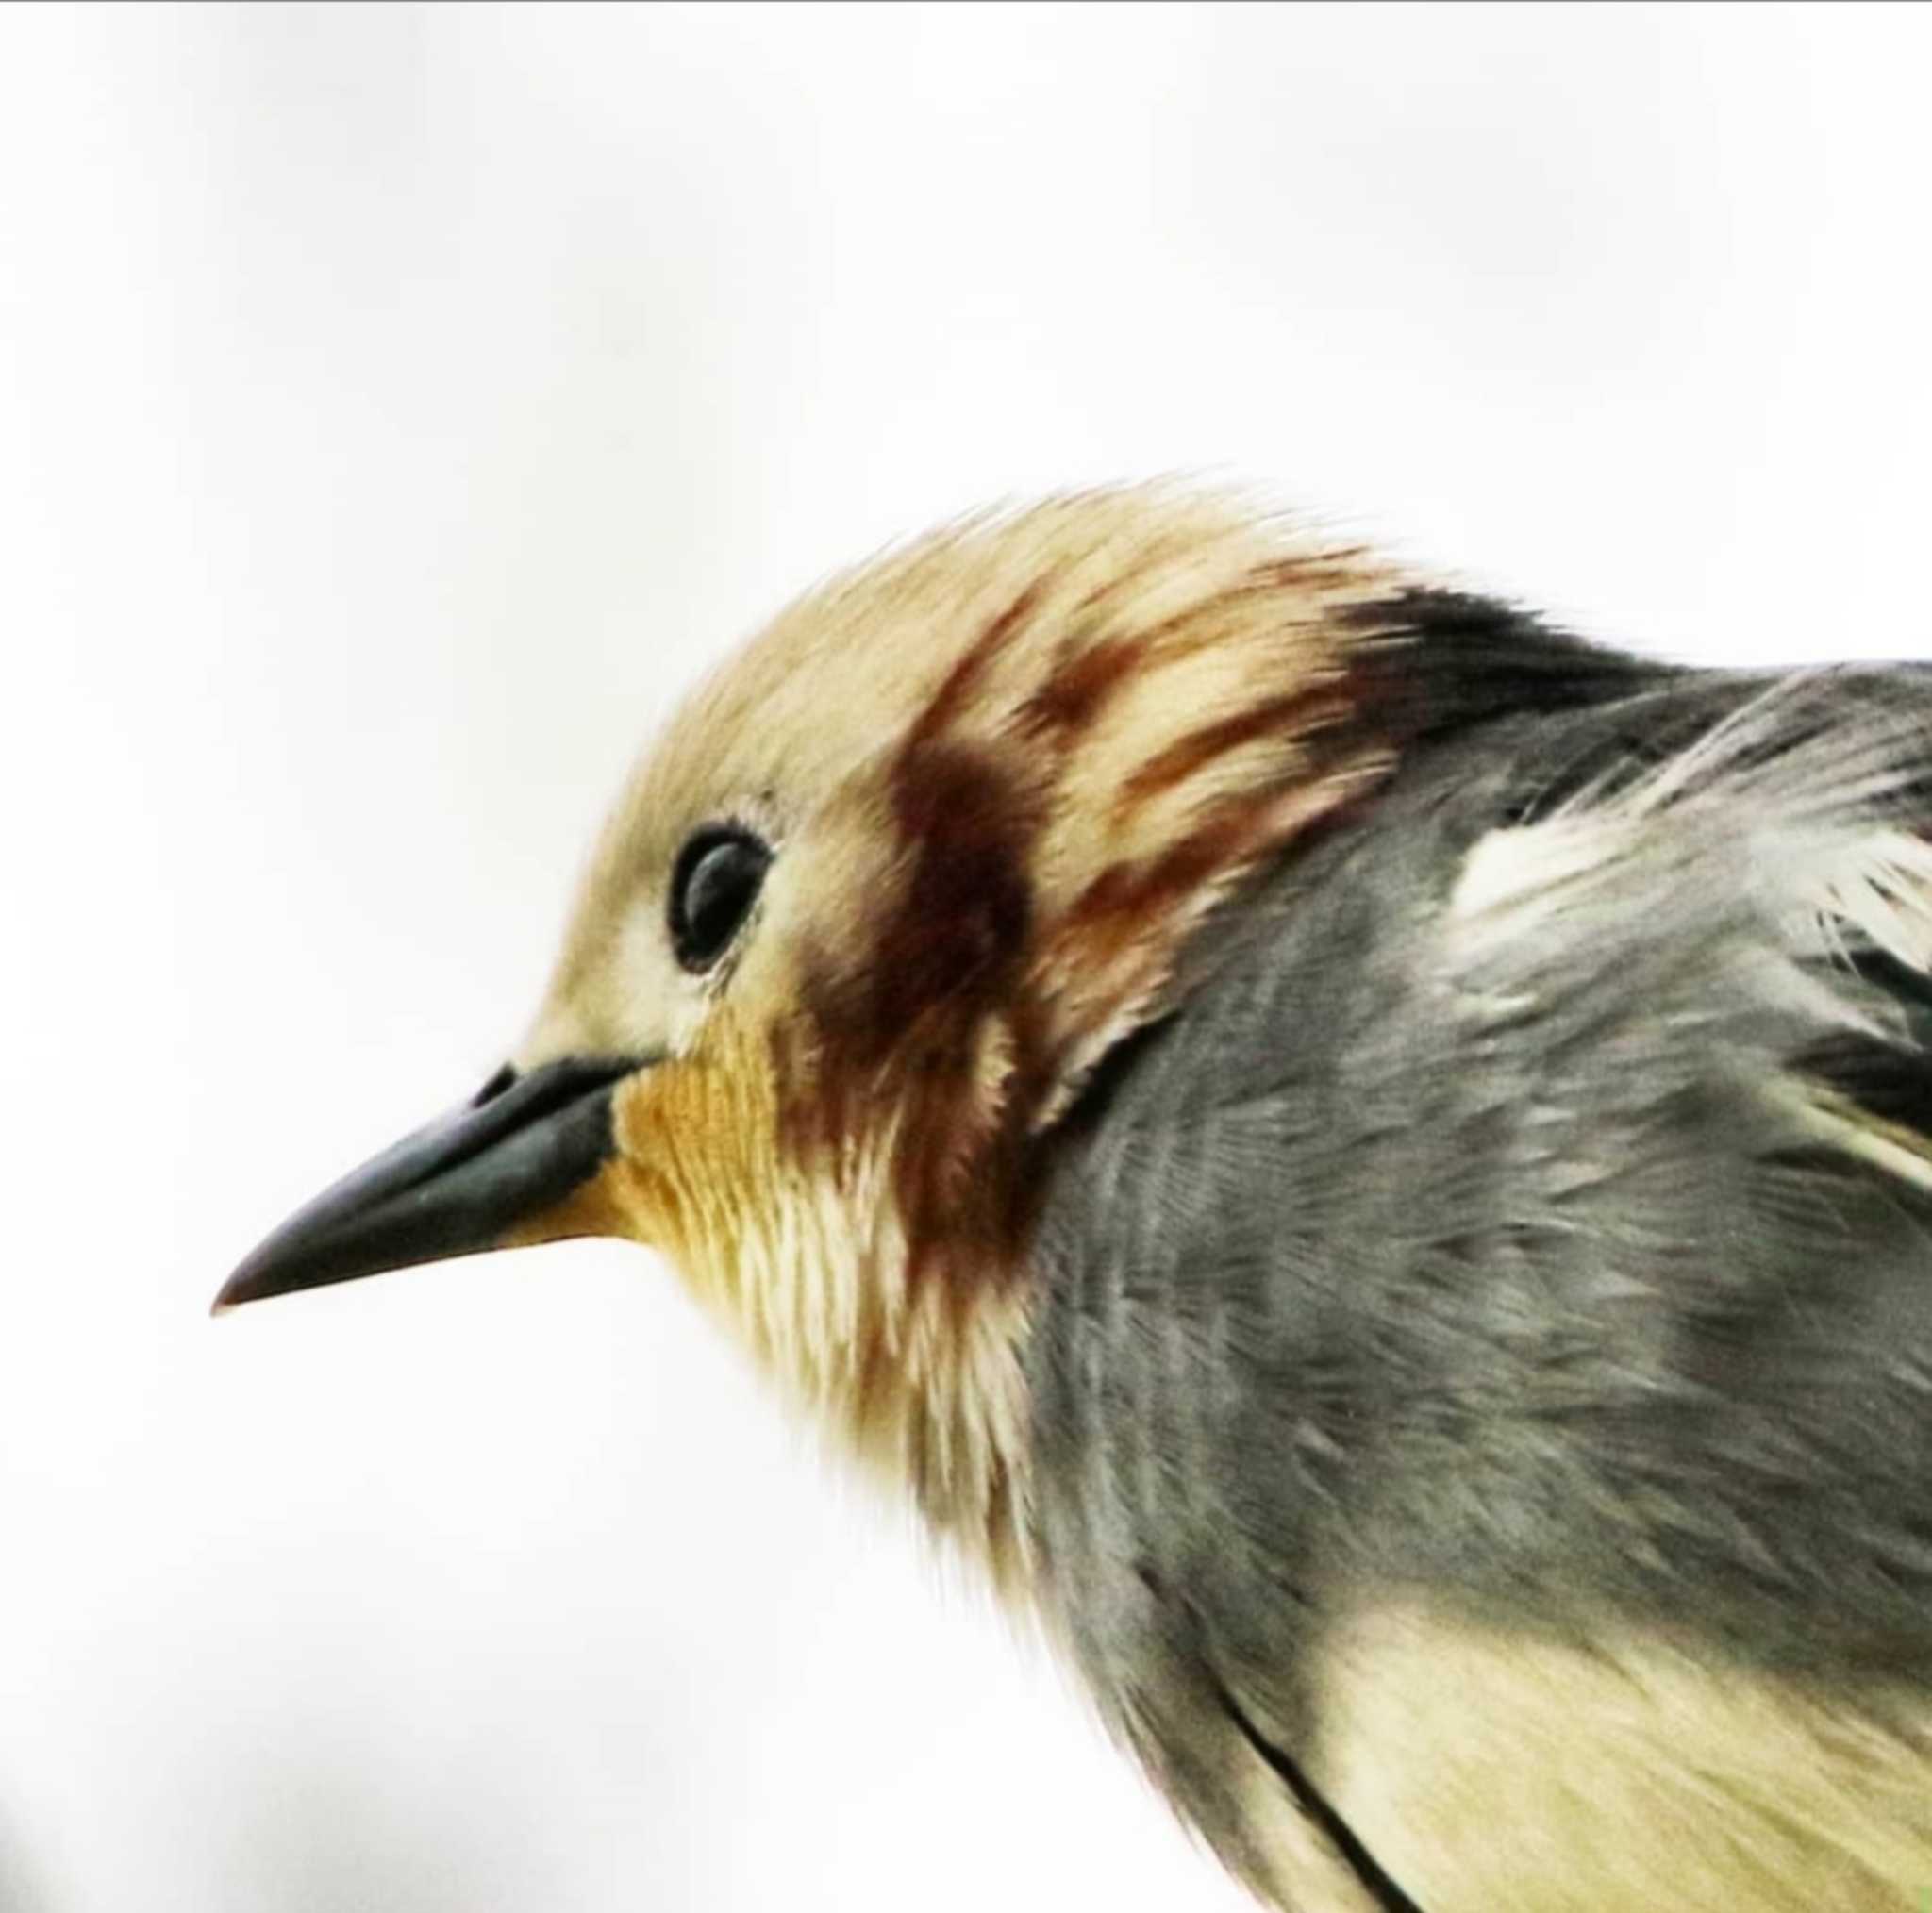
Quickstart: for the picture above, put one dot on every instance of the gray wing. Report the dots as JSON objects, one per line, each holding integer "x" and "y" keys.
{"x": 1521, "y": 1242}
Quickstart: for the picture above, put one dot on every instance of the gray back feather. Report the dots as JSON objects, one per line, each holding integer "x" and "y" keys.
{"x": 1537, "y": 1231}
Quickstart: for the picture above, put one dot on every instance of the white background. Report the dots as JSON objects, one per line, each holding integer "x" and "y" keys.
{"x": 396, "y": 406}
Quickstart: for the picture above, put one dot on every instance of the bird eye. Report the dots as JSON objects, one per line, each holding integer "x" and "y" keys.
{"x": 718, "y": 876}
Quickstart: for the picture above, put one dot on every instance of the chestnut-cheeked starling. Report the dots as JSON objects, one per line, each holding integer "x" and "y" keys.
{"x": 1369, "y": 1159}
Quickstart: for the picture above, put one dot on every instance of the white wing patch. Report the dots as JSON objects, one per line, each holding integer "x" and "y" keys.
{"x": 1880, "y": 883}
{"x": 1741, "y": 875}
{"x": 1854, "y": 875}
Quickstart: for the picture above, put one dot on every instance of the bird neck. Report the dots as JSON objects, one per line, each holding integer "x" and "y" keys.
{"x": 913, "y": 1365}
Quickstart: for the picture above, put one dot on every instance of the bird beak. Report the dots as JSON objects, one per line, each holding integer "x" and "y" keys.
{"x": 497, "y": 1171}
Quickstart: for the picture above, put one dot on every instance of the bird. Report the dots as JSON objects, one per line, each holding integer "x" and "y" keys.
{"x": 1365, "y": 1157}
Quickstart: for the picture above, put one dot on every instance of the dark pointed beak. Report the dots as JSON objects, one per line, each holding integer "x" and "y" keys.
{"x": 482, "y": 1176}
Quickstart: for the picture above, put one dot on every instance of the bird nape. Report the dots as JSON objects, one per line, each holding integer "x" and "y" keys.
{"x": 1371, "y": 1160}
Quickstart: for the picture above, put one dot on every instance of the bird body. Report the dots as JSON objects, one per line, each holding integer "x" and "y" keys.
{"x": 1484, "y": 1362}
{"x": 1370, "y": 1160}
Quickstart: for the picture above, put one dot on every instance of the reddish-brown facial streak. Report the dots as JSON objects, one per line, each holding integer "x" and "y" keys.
{"x": 994, "y": 970}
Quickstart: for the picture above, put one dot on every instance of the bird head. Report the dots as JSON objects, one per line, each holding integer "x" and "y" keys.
{"x": 866, "y": 921}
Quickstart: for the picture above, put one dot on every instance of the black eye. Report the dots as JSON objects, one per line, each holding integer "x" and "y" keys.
{"x": 717, "y": 879}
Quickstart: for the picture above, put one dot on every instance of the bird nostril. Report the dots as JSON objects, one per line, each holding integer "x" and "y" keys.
{"x": 495, "y": 1087}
